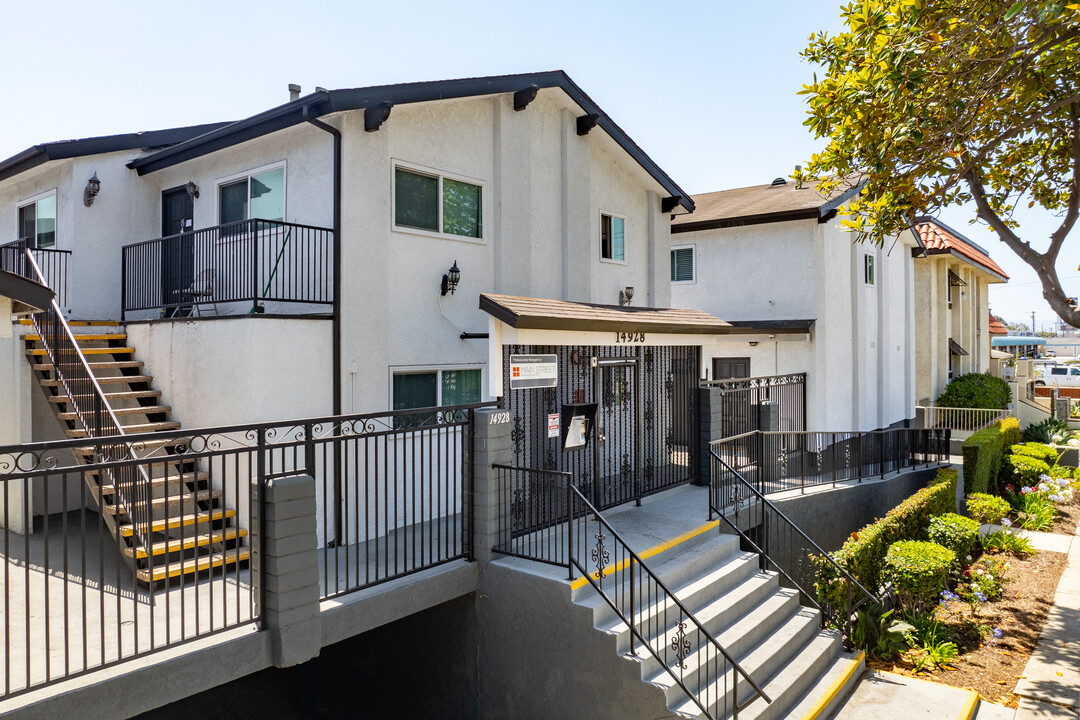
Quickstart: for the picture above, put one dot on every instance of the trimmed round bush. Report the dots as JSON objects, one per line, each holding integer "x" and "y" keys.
{"x": 976, "y": 390}
{"x": 955, "y": 532}
{"x": 987, "y": 508}
{"x": 917, "y": 571}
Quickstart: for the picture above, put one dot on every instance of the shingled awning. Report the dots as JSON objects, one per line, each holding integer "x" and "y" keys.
{"x": 526, "y": 313}
{"x": 955, "y": 349}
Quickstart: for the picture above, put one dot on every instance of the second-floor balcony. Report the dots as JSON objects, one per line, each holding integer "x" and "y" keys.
{"x": 252, "y": 266}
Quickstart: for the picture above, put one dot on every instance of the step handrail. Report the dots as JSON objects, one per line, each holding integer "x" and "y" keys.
{"x": 850, "y": 583}
{"x": 99, "y": 417}
{"x": 678, "y": 643}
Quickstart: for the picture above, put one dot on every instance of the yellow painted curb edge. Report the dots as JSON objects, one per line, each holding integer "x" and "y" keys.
{"x": 654, "y": 550}
{"x": 834, "y": 689}
{"x": 969, "y": 706}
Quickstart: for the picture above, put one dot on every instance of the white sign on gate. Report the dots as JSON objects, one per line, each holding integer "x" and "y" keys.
{"x": 533, "y": 371}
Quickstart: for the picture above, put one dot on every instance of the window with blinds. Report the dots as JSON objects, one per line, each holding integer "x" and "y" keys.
{"x": 682, "y": 264}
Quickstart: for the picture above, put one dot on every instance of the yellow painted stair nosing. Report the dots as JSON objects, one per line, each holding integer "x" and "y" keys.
{"x": 834, "y": 689}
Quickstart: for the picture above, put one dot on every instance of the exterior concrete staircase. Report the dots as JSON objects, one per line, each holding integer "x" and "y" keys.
{"x": 778, "y": 642}
{"x": 191, "y": 530}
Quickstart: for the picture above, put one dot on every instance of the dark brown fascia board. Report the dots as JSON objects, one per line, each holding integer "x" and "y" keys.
{"x": 760, "y": 219}
{"x": 530, "y": 322}
{"x": 917, "y": 253}
{"x": 29, "y": 296}
{"x": 775, "y": 327}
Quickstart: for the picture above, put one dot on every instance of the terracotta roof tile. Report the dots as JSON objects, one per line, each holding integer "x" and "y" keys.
{"x": 996, "y": 327}
{"x": 940, "y": 238}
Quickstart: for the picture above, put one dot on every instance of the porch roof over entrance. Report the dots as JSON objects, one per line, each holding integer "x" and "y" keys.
{"x": 543, "y": 314}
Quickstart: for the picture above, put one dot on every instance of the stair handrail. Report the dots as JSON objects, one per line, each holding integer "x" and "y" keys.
{"x": 102, "y": 411}
{"x": 678, "y": 643}
{"x": 850, "y": 583}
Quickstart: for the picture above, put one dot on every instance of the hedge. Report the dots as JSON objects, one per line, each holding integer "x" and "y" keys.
{"x": 955, "y": 532}
{"x": 863, "y": 555}
{"x": 983, "y": 453}
{"x": 917, "y": 571}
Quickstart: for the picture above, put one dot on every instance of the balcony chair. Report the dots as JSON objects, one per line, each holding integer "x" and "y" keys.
{"x": 201, "y": 289}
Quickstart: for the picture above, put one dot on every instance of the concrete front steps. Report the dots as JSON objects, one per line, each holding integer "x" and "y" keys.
{"x": 191, "y": 530}
{"x": 760, "y": 624}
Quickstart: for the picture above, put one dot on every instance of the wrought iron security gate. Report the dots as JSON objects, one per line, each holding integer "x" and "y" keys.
{"x": 646, "y": 418}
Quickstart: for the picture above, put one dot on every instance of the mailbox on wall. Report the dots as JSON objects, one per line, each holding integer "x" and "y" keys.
{"x": 577, "y": 421}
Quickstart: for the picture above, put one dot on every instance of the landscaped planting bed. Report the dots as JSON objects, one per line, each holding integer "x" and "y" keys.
{"x": 967, "y": 611}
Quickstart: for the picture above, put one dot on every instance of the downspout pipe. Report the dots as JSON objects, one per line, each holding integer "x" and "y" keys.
{"x": 336, "y": 353}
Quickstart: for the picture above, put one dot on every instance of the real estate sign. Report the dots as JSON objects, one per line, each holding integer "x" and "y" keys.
{"x": 533, "y": 371}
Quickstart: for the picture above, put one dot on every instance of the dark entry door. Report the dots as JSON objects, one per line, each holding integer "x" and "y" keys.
{"x": 177, "y": 251}
{"x": 617, "y": 459}
{"x": 735, "y": 412}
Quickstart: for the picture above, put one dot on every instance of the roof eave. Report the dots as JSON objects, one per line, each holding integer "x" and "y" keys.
{"x": 741, "y": 220}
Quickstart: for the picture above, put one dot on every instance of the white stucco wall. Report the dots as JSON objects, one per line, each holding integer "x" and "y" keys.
{"x": 859, "y": 360}
{"x": 967, "y": 322}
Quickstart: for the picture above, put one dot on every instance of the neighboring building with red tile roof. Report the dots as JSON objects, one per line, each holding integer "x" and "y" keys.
{"x": 953, "y": 324}
{"x": 997, "y": 327}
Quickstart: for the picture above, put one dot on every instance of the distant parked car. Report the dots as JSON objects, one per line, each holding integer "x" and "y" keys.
{"x": 1050, "y": 353}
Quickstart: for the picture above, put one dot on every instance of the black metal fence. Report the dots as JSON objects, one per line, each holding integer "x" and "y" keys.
{"x": 566, "y": 529}
{"x": 784, "y": 548}
{"x": 252, "y": 262}
{"x": 394, "y": 496}
{"x": 779, "y": 461}
{"x": 742, "y": 401}
{"x": 51, "y": 263}
{"x": 646, "y": 437}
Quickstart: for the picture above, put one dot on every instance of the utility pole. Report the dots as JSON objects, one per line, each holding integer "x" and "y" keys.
{"x": 1033, "y": 322}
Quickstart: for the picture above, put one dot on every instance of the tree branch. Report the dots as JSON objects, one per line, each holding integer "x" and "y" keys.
{"x": 1059, "y": 235}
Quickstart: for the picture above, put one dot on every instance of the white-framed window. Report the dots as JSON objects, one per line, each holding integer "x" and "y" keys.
{"x": 868, "y": 269}
{"x": 37, "y": 220}
{"x": 682, "y": 264}
{"x": 437, "y": 203}
{"x": 612, "y": 237}
{"x": 255, "y": 194}
{"x": 436, "y": 387}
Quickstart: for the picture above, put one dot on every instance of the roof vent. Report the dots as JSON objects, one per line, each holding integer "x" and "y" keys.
{"x": 320, "y": 89}
{"x": 294, "y": 92}
{"x": 779, "y": 181}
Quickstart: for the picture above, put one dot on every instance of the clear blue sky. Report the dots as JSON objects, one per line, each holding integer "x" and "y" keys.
{"x": 707, "y": 88}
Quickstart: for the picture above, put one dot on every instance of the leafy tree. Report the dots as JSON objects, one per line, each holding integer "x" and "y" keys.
{"x": 1017, "y": 327}
{"x": 931, "y": 103}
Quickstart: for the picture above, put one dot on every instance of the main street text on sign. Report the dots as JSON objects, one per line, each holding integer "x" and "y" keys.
{"x": 533, "y": 371}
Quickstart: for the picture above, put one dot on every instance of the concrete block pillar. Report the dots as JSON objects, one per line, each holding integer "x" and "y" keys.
{"x": 709, "y": 409}
{"x": 491, "y": 503}
{"x": 1061, "y": 407}
{"x": 768, "y": 416}
{"x": 290, "y": 570}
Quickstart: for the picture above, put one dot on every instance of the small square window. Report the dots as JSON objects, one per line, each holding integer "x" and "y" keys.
{"x": 438, "y": 204}
{"x": 868, "y": 269}
{"x": 612, "y": 238}
{"x": 682, "y": 264}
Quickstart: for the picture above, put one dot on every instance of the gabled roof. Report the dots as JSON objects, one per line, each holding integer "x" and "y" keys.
{"x": 38, "y": 154}
{"x": 543, "y": 314}
{"x": 760, "y": 204}
{"x": 997, "y": 327}
{"x": 325, "y": 102}
{"x": 940, "y": 239}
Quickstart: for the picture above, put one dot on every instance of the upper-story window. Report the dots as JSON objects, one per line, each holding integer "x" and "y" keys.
{"x": 258, "y": 195}
{"x": 682, "y": 264}
{"x": 37, "y": 221}
{"x": 437, "y": 203}
{"x": 612, "y": 237}
{"x": 868, "y": 269}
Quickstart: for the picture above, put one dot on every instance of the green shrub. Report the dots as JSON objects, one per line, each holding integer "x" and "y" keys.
{"x": 976, "y": 390}
{"x": 1037, "y": 450}
{"x": 983, "y": 454}
{"x": 1026, "y": 470}
{"x": 955, "y": 532}
{"x": 917, "y": 570}
{"x": 1035, "y": 511}
{"x": 1006, "y": 541}
{"x": 1045, "y": 430}
{"x": 987, "y": 508}
{"x": 864, "y": 552}
{"x": 877, "y": 633}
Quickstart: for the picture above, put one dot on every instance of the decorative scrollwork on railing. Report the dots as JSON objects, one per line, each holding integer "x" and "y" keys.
{"x": 681, "y": 645}
{"x": 517, "y": 435}
{"x": 28, "y": 461}
{"x": 626, "y": 469}
{"x": 759, "y": 382}
{"x": 600, "y": 556}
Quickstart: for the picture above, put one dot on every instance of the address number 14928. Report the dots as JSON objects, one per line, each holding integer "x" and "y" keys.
{"x": 629, "y": 337}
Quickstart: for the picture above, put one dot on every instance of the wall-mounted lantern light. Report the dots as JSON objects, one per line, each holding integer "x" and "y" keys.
{"x": 626, "y": 295}
{"x": 93, "y": 187}
{"x": 192, "y": 189}
{"x": 451, "y": 279}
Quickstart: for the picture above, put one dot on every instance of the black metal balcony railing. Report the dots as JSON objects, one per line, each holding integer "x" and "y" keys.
{"x": 252, "y": 261}
{"x": 52, "y": 263}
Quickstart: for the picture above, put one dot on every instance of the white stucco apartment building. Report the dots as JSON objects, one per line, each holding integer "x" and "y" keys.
{"x": 772, "y": 261}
